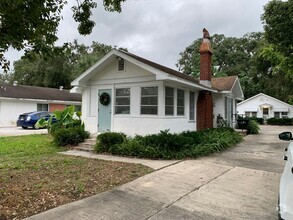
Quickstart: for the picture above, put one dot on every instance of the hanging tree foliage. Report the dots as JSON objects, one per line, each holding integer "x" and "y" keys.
{"x": 33, "y": 24}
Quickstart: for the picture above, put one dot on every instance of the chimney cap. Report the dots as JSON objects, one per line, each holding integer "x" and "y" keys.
{"x": 206, "y": 34}
{"x": 206, "y": 42}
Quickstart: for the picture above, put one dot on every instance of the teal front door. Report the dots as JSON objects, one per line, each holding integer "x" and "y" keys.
{"x": 104, "y": 110}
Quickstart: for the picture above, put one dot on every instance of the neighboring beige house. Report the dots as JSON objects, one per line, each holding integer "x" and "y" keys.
{"x": 17, "y": 99}
{"x": 264, "y": 106}
{"x": 123, "y": 92}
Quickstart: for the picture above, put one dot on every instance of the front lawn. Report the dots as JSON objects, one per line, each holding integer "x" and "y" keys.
{"x": 35, "y": 178}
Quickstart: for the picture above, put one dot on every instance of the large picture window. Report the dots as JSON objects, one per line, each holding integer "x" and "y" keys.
{"x": 191, "y": 106}
{"x": 169, "y": 101}
{"x": 180, "y": 102}
{"x": 122, "y": 102}
{"x": 149, "y": 101}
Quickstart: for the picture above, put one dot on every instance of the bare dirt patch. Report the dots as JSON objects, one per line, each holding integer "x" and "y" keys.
{"x": 27, "y": 192}
{"x": 34, "y": 177}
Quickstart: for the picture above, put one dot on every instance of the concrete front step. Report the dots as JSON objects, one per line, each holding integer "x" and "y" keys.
{"x": 84, "y": 148}
{"x": 88, "y": 144}
{"x": 89, "y": 141}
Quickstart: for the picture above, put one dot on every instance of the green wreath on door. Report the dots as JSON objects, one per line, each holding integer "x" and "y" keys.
{"x": 105, "y": 98}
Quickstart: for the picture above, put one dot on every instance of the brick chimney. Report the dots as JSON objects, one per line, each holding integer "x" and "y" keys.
{"x": 205, "y": 99}
{"x": 206, "y": 53}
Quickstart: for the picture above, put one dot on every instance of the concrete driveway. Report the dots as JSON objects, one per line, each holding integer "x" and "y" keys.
{"x": 240, "y": 183}
{"x": 16, "y": 131}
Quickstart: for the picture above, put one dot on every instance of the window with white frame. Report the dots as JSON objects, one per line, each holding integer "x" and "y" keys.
{"x": 276, "y": 114}
{"x": 42, "y": 107}
{"x": 284, "y": 114}
{"x": 149, "y": 100}
{"x": 77, "y": 108}
{"x": 250, "y": 114}
{"x": 228, "y": 109}
{"x": 122, "y": 101}
{"x": 169, "y": 101}
{"x": 180, "y": 102}
{"x": 191, "y": 106}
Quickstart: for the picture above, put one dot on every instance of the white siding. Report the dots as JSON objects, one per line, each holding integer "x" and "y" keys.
{"x": 253, "y": 105}
{"x": 219, "y": 108}
{"x": 10, "y": 110}
{"x": 134, "y": 78}
{"x": 150, "y": 125}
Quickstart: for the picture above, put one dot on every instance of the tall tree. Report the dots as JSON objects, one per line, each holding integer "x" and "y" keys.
{"x": 257, "y": 63}
{"x": 278, "y": 26}
{"x": 60, "y": 67}
{"x": 87, "y": 56}
{"x": 32, "y": 24}
{"x": 231, "y": 56}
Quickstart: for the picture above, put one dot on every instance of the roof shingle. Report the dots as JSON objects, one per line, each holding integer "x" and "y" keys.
{"x": 34, "y": 92}
{"x": 220, "y": 83}
{"x": 223, "y": 83}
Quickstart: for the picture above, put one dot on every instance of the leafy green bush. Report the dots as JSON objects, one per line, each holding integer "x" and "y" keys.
{"x": 108, "y": 139}
{"x": 189, "y": 144}
{"x": 258, "y": 120}
{"x": 165, "y": 140}
{"x": 70, "y": 136}
{"x": 280, "y": 121}
{"x": 252, "y": 127}
{"x": 68, "y": 130}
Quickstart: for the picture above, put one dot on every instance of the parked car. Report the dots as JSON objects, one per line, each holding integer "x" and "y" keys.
{"x": 285, "y": 206}
{"x": 30, "y": 119}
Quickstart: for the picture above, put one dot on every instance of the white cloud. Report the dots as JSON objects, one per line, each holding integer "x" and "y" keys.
{"x": 159, "y": 29}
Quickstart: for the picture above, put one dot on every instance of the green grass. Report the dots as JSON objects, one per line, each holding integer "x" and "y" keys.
{"x": 23, "y": 152}
{"x": 34, "y": 177}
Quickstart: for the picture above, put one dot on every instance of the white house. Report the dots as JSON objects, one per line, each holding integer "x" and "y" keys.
{"x": 126, "y": 93}
{"x": 17, "y": 99}
{"x": 264, "y": 106}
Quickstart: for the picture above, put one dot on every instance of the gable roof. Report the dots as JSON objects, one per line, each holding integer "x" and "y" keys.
{"x": 223, "y": 83}
{"x": 218, "y": 84}
{"x": 39, "y": 93}
{"x": 163, "y": 68}
{"x": 262, "y": 94}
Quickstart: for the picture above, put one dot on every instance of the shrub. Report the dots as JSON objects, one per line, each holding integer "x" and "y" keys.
{"x": 258, "y": 120}
{"x": 168, "y": 146}
{"x": 280, "y": 121}
{"x": 108, "y": 139}
{"x": 252, "y": 127}
{"x": 69, "y": 136}
{"x": 165, "y": 140}
{"x": 242, "y": 123}
{"x": 68, "y": 130}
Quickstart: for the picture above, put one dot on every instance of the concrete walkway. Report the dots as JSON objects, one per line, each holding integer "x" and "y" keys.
{"x": 155, "y": 164}
{"x": 17, "y": 131}
{"x": 240, "y": 183}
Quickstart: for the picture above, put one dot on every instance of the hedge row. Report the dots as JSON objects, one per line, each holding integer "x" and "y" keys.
{"x": 166, "y": 145}
{"x": 280, "y": 121}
